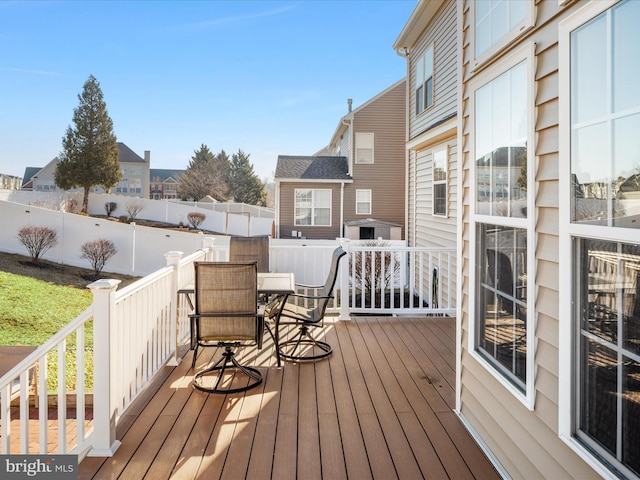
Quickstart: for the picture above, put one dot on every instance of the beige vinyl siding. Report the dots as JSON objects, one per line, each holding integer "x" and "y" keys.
{"x": 287, "y": 209}
{"x": 385, "y": 177}
{"x": 443, "y": 36}
{"x": 345, "y": 144}
{"x": 525, "y": 442}
{"x": 432, "y": 230}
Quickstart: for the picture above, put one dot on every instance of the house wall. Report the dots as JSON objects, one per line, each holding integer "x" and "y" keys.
{"x": 523, "y": 439}
{"x": 385, "y": 177}
{"x": 441, "y": 33}
{"x": 287, "y": 207}
{"x": 433, "y": 129}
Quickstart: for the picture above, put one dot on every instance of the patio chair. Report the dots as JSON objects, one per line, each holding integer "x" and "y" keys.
{"x": 306, "y": 311}
{"x": 250, "y": 249}
{"x": 226, "y": 315}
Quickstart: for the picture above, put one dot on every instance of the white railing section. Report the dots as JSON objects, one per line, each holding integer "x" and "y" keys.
{"x": 141, "y": 328}
{"x": 24, "y": 390}
{"x": 400, "y": 280}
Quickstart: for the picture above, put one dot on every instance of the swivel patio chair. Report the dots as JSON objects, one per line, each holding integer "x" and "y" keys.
{"x": 226, "y": 316}
{"x": 305, "y": 311}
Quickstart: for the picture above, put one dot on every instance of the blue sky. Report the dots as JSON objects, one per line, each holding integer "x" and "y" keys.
{"x": 269, "y": 78}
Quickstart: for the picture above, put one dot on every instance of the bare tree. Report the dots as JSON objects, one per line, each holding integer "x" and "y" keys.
{"x": 98, "y": 252}
{"x": 133, "y": 208}
{"x": 37, "y": 240}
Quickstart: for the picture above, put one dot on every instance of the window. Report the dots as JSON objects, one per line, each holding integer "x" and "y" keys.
{"x": 498, "y": 22}
{"x": 364, "y": 147}
{"x": 440, "y": 182}
{"x": 312, "y": 207}
{"x": 363, "y": 202}
{"x": 601, "y": 404}
{"x": 424, "y": 81}
{"x": 502, "y": 323}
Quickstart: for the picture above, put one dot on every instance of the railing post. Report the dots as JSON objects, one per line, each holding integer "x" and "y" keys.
{"x": 345, "y": 294}
{"x": 207, "y": 245}
{"x": 173, "y": 260}
{"x": 105, "y": 443}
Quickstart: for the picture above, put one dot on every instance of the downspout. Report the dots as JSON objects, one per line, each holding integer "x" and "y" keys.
{"x": 404, "y": 53}
{"x": 341, "y": 209}
{"x": 277, "y": 208}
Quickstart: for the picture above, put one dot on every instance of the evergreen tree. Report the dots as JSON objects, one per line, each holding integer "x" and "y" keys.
{"x": 89, "y": 150}
{"x": 244, "y": 183}
{"x": 205, "y": 175}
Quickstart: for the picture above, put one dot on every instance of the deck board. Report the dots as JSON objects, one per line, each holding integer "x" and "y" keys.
{"x": 379, "y": 407}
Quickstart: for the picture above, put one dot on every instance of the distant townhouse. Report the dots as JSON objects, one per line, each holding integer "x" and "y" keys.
{"x": 163, "y": 183}
{"x": 356, "y": 185}
{"x": 10, "y": 182}
{"x": 134, "y": 182}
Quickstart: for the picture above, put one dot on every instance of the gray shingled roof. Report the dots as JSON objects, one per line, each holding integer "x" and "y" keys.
{"x": 165, "y": 173}
{"x": 29, "y": 172}
{"x": 127, "y": 155}
{"x": 312, "y": 168}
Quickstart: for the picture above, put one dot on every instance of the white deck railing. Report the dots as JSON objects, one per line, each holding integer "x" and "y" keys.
{"x": 140, "y": 328}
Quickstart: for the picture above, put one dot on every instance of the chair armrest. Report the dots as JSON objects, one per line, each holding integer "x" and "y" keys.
{"x": 302, "y": 285}
{"x": 310, "y": 297}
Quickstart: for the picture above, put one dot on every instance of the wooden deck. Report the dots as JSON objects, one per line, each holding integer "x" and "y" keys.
{"x": 379, "y": 407}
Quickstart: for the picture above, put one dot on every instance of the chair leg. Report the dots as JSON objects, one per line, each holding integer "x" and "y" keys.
{"x": 226, "y": 363}
{"x": 287, "y": 350}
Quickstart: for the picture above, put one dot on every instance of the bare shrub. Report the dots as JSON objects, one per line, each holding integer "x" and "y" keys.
{"x": 98, "y": 252}
{"x": 37, "y": 240}
{"x": 380, "y": 261}
{"x": 196, "y": 218}
{"x": 71, "y": 206}
{"x": 110, "y": 207}
{"x": 133, "y": 208}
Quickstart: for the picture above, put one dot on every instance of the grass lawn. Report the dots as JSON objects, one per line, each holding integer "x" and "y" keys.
{"x": 36, "y": 301}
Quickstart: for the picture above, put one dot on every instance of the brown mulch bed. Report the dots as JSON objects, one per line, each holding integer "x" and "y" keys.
{"x": 55, "y": 273}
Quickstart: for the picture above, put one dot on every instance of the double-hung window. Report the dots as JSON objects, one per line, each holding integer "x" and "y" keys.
{"x": 363, "y": 202}
{"x": 600, "y": 120}
{"x": 312, "y": 207}
{"x": 424, "y": 81}
{"x": 364, "y": 147}
{"x": 502, "y": 320}
{"x": 440, "y": 182}
{"x": 498, "y": 22}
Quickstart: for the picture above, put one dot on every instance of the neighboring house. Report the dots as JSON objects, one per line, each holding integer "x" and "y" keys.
{"x": 10, "y": 182}
{"x": 164, "y": 183}
{"x": 134, "y": 182}
{"x": 548, "y": 362}
{"x": 309, "y": 195}
{"x": 359, "y": 177}
{"x": 429, "y": 43}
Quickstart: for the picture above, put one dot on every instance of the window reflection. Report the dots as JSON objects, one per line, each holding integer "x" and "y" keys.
{"x": 502, "y": 308}
{"x": 610, "y": 319}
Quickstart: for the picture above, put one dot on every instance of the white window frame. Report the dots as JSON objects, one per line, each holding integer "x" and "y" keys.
{"x": 365, "y": 152}
{"x": 425, "y": 71}
{"x": 363, "y": 202}
{"x": 503, "y": 42}
{"x": 525, "y": 52}
{"x": 313, "y": 207}
{"x": 568, "y": 232}
{"x": 437, "y": 151}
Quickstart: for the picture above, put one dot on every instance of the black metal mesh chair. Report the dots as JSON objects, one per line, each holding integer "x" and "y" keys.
{"x": 305, "y": 311}
{"x": 226, "y": 315}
